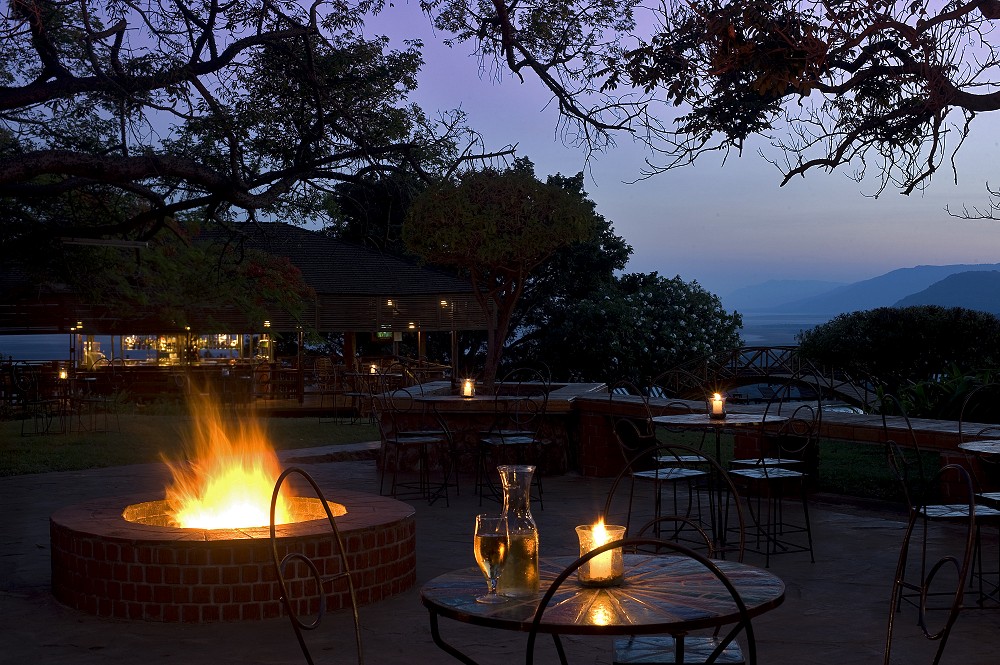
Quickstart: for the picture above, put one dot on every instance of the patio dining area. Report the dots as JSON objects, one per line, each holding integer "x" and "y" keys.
{"x": 835, "y": 610}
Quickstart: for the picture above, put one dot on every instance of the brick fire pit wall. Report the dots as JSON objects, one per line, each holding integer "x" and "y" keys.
{"x": 110, "y": 567}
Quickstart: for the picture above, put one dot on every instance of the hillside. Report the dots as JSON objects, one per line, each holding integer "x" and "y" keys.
{"x": 883, "y": 291}
{"x": 972, "y": 290}
{"x": 764, "y": 297}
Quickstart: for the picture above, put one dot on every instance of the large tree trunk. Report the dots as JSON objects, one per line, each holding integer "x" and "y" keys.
{"x": 503, "y": 297}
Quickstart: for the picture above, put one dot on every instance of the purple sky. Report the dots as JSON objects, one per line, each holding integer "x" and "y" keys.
{"x": 724, "y": 226}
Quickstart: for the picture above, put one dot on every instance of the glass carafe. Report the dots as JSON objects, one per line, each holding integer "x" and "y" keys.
{"x": 520, "y": 572}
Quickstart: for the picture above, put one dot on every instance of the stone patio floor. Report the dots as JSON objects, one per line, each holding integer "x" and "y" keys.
{"x": 835, "y": 610}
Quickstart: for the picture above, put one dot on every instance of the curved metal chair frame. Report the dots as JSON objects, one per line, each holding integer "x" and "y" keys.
{"x": 657, "y": 546}
{"x": 281, "y": 564}
{"x": 979, "y": 398}
{"x": 925, "y": 590}
{"x": 797, "y": 437}
{"x": 906, "y": 464}
{"x": 329, "y": 384}
{"x": 972, "y": 408}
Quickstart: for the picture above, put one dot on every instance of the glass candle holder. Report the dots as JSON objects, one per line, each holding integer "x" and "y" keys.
{"x": 717, "y": 406}
{"x": 607, "y": 568}
{"x": 468, "y": 388}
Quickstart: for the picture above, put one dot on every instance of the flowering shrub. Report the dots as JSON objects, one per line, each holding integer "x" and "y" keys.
{"x": 634, "y": 328}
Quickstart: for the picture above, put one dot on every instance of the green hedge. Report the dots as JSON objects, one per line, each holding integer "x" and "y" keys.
{"x": 901, "y": 346}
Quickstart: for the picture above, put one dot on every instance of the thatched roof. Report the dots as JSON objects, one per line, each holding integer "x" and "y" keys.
{"x": 357, "y": 289}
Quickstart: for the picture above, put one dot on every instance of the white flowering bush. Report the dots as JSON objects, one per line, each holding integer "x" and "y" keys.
{"x": 635, "y": 327}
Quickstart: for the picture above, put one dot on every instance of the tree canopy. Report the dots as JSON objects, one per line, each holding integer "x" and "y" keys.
{"x": 496, "y": 227}
{"x": 900, "y": 346}
{"x": 120, "y": 117}
{"x": 887, "y": 88}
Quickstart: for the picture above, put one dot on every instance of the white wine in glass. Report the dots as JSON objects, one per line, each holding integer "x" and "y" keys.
{"x": 491, "y": 545}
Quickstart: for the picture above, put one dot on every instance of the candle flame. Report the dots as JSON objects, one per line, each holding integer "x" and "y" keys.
{"x": 716, "y": 396}
{"x": 599, "y": 534}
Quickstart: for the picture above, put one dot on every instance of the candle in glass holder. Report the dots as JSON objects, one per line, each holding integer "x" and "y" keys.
{"x": 607, "y": 568}
{"x": 468, "y": 388}
{"x": 717, "y": 406}
{"x": 373, "y": 369}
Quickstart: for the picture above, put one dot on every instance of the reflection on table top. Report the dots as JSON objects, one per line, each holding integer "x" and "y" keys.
{"x": 704, "y": 420}
{"x": 983, "y": 447}
{"x": 661, "y": 594}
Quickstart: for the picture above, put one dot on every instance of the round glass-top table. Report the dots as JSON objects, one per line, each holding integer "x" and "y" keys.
{"x": 663, "y": 594}
{"x": 982, "y": 447}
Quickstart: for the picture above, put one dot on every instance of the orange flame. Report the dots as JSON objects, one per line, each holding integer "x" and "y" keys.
{"x": 229, "y": 477}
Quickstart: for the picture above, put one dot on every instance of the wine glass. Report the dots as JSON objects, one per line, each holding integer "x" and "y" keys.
{"x": 491, "y": 545}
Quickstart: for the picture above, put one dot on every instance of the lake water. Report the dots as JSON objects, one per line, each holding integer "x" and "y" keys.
{"x": 778, "y": 329}
{"x": 35, "y": 347}
{"x": 758, "y": 330}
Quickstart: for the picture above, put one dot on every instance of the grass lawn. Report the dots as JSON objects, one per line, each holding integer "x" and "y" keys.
{"x": 845, "y": 467}
{"x": 852, "y": 469}
{"x": 147, "y": 438}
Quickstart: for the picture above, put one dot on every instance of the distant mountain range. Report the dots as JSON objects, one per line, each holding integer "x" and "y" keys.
{"x": 972, "y": 286}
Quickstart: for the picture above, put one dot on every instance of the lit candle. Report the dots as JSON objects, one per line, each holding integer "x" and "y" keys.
{"x": 373, "y": 369}
{"x": 607, "y": 568}
{"x": 468, "y": 388}
{"x": 63, "y": 374}
{"x": 718, "y": 406}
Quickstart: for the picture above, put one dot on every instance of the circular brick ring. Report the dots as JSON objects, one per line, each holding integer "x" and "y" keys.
{"x": 106, "y": 565}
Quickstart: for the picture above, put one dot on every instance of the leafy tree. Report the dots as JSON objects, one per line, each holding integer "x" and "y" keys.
{"x": 122, "y": 117}
{"x": 372, "y": 211}
{"x": 573, "y": 272}
{"x": 635, "y": 327}
{"x": 886, "y": 86}
{"x": 902, "y": 346}
{"x": 497, "y": 227}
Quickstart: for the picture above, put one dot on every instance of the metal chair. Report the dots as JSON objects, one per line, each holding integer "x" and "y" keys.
{"x": 907, "y": 465}
{"x": 517, "y": 434}
{"x": 329, "y": 385}
{"x": 321, "y": 581}
{"x": 684, "y": 645}
{"x": 770, "y": 480}
{"x": 711, "y": 509}
{"x": 40, "y": 412}
{"x": 362, "y": 385}
{"x": 943, "y": 564}
{"x": 980, "y": 420}
{"x": 659, "y": 388}
{"x": 407, "y": 430}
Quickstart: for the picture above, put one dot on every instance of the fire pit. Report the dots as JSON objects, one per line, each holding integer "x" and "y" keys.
{"x": 116, "y": 557}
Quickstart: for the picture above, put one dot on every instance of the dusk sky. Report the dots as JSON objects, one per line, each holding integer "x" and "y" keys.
{"x": 724, "y": 226}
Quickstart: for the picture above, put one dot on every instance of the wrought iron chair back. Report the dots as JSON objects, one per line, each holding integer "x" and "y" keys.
{"x": 902, "y": 454}
{"x": 320, "y": 578}
{"x": 661, "y": 547}
{"x": 980, "y": 407}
